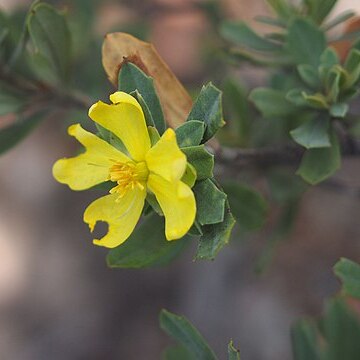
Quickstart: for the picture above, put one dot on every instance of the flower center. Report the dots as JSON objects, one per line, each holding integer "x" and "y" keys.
{"x": 128, "y": 176}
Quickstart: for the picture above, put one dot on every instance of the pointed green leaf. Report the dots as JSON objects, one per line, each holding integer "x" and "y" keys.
{"x": 305, "y": 42}
{"x": 238, "y": 106}
{"x": 147, "y": 114}
{"x": 181, "y": 330}
{"x": 313, "y": 133}
{"x": 316, "y": 101}
{"x": 241, "y": 34}
{"x": 342, "y": 17}
{"x": 296, "y": 97}
{"x": 190, "y": 133}
{"x": 247, "y": 205}
{"x": 210, "y": 202}
{"x": 208, "y": 108}
{"x": 153, "y": 134}
{"x": 319, "y": 9}
{"x": 201, "y": 160}
{"x": 215, "y": 236}
{"x": 271, "y": 103}
{"x": 349, "y": 273}
{"x": 329, "y": 57}
{"x": 319, "y": 164}
{"x": 304, "y": 341}
{"x": 309, "y": 75}
{"x": 50, "y": 34}
{"x": 146, "y": 246}
{"x": 190, "y": 175}
{"x": 341, "y": 329}
{"x": 352, "y": 66}
{"x": 132, "y": 78}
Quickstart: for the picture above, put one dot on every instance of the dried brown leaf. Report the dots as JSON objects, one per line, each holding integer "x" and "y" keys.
{"x": 119, "y": 48}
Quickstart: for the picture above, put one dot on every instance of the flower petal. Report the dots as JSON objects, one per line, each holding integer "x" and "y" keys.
{"x": 91, "y": 167}
{"x": 177, "y": 202}
{"x": 125, "y": 119}
{"x": 121, "y": 215}
{"x": 165, "y": 158}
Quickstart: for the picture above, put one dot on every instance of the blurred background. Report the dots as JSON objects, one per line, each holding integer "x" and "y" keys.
{"x": 58, "y": 300}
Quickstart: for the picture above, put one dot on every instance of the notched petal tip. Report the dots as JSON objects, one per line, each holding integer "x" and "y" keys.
{"x": 94, "y": 107}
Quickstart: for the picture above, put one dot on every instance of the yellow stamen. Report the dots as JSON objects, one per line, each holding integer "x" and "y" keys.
{"x": 128, "y": 176}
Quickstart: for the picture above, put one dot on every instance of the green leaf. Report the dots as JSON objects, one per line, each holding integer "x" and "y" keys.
{"x": 342, "y": 17}
{"x": 240, "y": 33}
{"x": 131, "y": 78}
{"x": 201, "y": 160}
{"x": 146, "y": 246}
{"x": 309, "y": 75}
{"x": 147, "y": 114}
{"x": 215, "y": 236}
{"x": 304, "y": 341}
{"x": 50, "y": 34}
{"x": 341, "y": 329}
{"x": 271, "y": 103}
{"x": 113, "y": 139}
{"x": 319, "y": 9}
{"x": 181, "y": 330}
{"x": 208, "y": 108}
{"x": 14, "y": 133}
{"x": 154, "y": 135}
{"x": 296, "y": 97}
{"x": 349, "y": 273}
{"x": 152, "y": 201}
{"x": 329, "y": 57}
{"x": 339, "y": 110}
{"x": 305, "y": 42}
{"x": 233, "y": 353}
{"x": 314, "y": 133}
{"x": 210, "y": 202}
{"x": 352, "y": 66}
{"x": 316, "y": 101}
{"x": 319, "y": 164}
{"x": 190, "y": 175}
{"x": 236, "y": 100}
{"x": 190, "y": 133}
{"x": 248, "y": 206}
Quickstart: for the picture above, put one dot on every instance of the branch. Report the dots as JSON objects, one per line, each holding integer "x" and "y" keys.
{"x": 259, "y": 157}
{"x": 277, "y": 155}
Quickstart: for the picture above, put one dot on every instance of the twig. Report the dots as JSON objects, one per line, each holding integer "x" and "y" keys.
{"x": 259, "y": 157}
{"x": 277, "y": 155}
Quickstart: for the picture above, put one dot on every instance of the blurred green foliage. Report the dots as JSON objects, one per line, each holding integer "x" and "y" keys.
{"x": 50, "y": 60}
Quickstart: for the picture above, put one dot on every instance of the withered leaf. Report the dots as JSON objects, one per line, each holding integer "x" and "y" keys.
{"x": 119, "y": 48}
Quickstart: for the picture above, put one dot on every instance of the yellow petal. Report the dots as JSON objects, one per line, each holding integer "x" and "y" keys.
{"x": 165, "y": 158}
{"x": 91, "y": 167}
{"x": 121, "y": 214}
{"x": 125, "y": 119}
{"x": 177, "y": 202}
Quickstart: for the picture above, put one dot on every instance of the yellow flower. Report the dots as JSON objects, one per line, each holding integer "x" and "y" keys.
{"x": 143, "y": 169}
